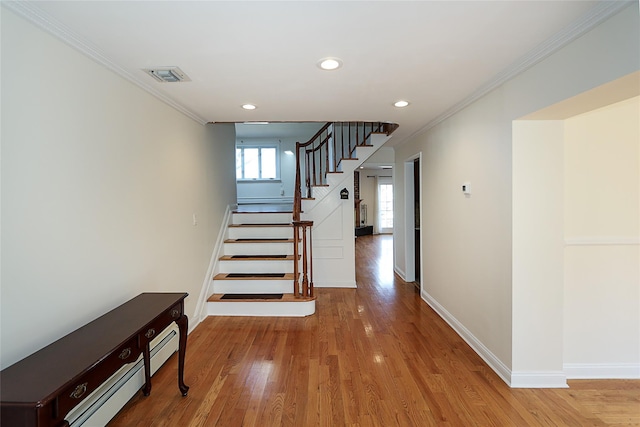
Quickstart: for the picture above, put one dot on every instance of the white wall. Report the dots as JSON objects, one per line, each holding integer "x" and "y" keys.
{"x": 471, "y": 276}
{"x": 602, "y": 232}
{"x": 100, "y": 182}
{"x": 263, "y": 192}
{"x": 466, "y": 240}
{"x": 384, "y": 156}
{"x": 333, "y": 234}
{"x": 538, "y": 244}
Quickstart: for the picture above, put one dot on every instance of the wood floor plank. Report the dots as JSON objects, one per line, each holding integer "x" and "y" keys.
{"x": 377, "y": 355}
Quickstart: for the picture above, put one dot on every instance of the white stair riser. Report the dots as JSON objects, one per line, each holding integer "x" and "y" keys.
{"x": 253, "y": 286}
{"x": 271, "y": 248}
{"x": 260, "y": 232}
{"x": 349, "y": 165}
{"x": 308, "y": 205}
{"x": 319, "y": 193}
{"x": 261, "y": 218}
{"x": 270, "y": 309}
{"x": 256, "y": 266}
{"x": 335, "y": 178}
{"x": 364, "y": 152}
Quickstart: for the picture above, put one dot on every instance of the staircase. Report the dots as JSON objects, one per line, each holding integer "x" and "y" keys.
{"x": 337, "y": 148}
{"x": 266, "y": 268}
{"x": 325, "y": 166}
{"x": 256, "y": 271}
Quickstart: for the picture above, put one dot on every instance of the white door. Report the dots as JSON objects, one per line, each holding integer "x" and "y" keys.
{"x": 385, "y": 205}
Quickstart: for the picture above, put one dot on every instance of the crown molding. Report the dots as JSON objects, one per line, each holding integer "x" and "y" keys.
{"x": 40, "y": 19}
{"x": 598, "y": 14}
{"x": 604, "y": 10}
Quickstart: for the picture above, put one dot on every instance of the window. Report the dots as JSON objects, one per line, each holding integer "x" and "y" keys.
{"x": 257, "y": 162}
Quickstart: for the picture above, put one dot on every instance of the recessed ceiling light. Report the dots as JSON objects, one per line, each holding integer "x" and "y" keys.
{"x": 288, "y": 152}
{"x": 401, "y": 104}
{"x": 249, "y": 107}
{"x": 330, "y": 64}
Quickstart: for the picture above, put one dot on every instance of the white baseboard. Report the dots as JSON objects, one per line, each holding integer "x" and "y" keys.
{"x": 400, "y": 273}
{"x": 335, "y": 284}
{"x": 555, "y": 379}
{"x": 494, "y": 363}
{"x": 513, "y": 379}
{"x": 108, "y": 399}
{"x": 201, "y": 307}
{"x": 576, "y": 371}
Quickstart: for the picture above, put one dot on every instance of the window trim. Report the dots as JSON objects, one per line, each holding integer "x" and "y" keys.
{"x": 261, "y": 145}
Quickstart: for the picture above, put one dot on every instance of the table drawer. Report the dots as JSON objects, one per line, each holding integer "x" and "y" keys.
{"x": 161, "y": 323}
{"x": 72, "y": 396}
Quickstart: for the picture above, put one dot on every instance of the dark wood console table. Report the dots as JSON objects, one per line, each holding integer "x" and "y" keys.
{"x": 41, "y": 389}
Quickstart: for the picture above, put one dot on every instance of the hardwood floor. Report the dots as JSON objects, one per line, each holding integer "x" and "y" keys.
{"x": 372, "y": 356}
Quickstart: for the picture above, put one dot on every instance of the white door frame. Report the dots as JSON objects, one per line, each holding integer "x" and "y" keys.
{"x": 409, "y": 220}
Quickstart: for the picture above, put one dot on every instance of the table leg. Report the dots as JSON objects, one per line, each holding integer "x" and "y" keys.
{"x": 146, "y": 357}
{"x": 183, "y": 325}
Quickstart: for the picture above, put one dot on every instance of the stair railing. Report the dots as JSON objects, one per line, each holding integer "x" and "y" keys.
{"x": 321, "y": 155}
{"x": 303, "y": 280}
{"x": 324, "y": 152}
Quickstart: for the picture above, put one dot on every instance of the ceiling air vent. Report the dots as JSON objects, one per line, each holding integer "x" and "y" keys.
{"x": 167, "y": 74}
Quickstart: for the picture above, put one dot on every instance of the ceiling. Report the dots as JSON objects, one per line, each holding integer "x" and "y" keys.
{"x": 434, "y": 54}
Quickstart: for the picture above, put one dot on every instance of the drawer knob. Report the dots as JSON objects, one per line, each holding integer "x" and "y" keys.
{"x": 79, "y": 391}
{"x": 150, "y": 333}
{"x": 175, "y": 313}
{"x": 125, "y": 353}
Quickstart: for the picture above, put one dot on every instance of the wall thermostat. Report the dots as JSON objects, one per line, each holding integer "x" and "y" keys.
{"x": 466, "y": 188}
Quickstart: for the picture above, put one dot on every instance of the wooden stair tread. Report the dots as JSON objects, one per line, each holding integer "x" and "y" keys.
{"x": 257, "y": 258}
{"x": 285, "y": 298}
{"x": 254, "y": 276}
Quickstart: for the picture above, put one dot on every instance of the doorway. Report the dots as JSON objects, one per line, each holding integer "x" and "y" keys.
{"x": 416, "y": 215}
{"x": 385, "y": 205}
{"x": 413, "y": 215}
